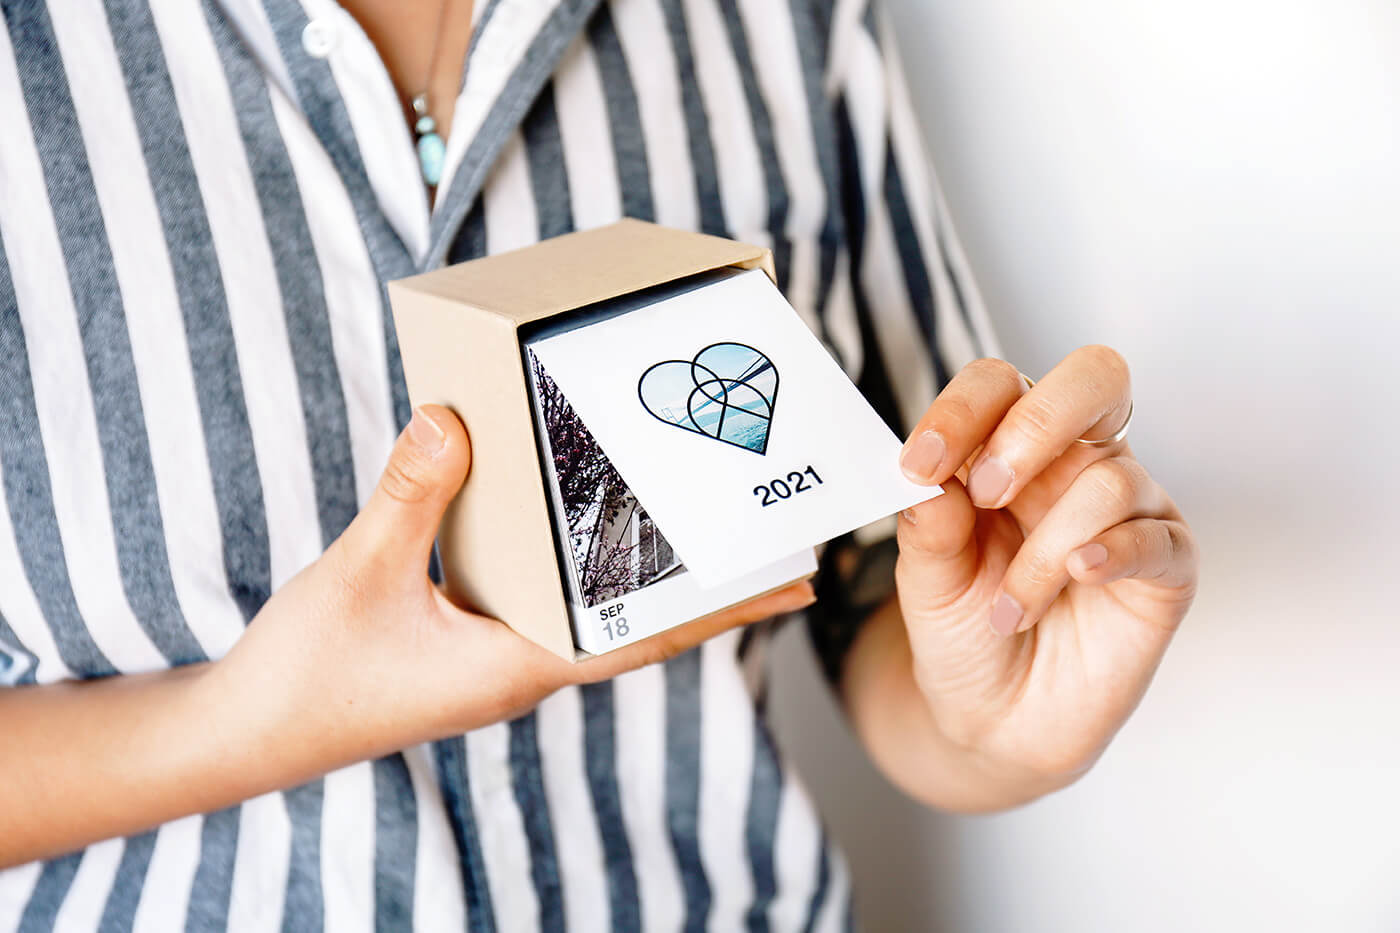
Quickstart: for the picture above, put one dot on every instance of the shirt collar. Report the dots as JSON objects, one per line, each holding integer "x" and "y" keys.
{"x": 515, "y": 47}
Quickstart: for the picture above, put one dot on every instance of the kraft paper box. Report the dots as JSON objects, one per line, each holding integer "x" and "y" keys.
{"x": 460, "y": 332}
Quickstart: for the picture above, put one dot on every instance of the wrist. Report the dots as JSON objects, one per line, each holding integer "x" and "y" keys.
{"x": 931, "y": 750}
{"x": 279, "y": 713}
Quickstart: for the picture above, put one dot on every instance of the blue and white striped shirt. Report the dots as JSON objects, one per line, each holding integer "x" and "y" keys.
{"x": 200, "y": 203}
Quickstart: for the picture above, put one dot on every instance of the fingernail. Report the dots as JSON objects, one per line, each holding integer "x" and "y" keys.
{"x": 989, "y": 480}
{"x": 1091, "y": 555}
{"x": 910, "y": 517}
{"x": 921, "y": 456}
{"x": 1006, "y": 615}
{"x": 425, "y": 432}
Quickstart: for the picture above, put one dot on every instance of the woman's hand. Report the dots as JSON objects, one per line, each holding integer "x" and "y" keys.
{"x": 355, "y": 657}
{"x": 362, "y": 643}
{"x": 1039, "y": 593}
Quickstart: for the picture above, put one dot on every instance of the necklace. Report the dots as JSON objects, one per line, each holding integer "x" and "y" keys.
{"x": 431, "y": 148}
{"x": 428, "y": 141}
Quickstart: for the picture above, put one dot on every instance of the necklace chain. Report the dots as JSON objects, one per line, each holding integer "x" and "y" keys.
{"x": 428, "y": 141}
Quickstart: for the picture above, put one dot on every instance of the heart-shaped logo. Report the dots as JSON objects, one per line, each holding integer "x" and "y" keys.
{"x": 726, "y": 392}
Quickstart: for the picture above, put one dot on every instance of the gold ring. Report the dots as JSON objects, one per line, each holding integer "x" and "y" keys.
{"x": 1114, "y": 438}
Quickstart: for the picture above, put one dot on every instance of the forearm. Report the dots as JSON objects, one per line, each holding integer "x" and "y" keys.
{"x": 353, "y": 658}
{"x": 891, "y": 715}
{"x": 85, "y": 761}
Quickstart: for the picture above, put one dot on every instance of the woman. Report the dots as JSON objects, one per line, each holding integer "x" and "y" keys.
{"x": 199, "y": 206}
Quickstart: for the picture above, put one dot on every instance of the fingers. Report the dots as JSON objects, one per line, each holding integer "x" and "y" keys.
{"x": 965, "y": 412}
{"x": 429, "y": 461}
{"x": 1160, "y": 550}
{"x": 937, "y": 543}
{"x": 668, "y": 644}
{"x": 527, "y": 673}
{"x": 1104, "y": 496}
{"x": 1087, "y": 395}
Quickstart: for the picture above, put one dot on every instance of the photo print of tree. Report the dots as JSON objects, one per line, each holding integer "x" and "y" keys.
{"x": 616, "y": 547}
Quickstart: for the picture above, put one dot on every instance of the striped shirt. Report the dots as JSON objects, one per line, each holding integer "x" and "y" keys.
{"x": 200, "y": 203}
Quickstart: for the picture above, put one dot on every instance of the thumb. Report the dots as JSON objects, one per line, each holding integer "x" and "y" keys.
{"x": 429, "y": 461}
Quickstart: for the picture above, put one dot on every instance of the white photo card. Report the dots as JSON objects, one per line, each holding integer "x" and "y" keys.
{"x": 726, "y": 418}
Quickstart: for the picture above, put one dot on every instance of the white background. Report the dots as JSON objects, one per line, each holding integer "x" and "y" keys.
{"x": 1213, "y": 188}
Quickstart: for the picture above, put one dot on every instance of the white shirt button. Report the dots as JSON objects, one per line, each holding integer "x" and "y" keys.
{"x": 318, "y": 38}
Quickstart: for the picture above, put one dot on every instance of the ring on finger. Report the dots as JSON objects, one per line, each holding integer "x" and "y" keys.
{"x": 1114, "y": 438}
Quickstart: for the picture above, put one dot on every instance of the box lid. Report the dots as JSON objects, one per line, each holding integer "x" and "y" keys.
{"x": 581, "y": 268}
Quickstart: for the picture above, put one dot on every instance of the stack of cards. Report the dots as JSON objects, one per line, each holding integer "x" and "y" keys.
{"x": 697, "y": 442}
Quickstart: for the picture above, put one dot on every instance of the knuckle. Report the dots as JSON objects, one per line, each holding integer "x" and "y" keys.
{"x": 1182, "y": 550}
{"x": 405, "y": 479}
{"x": 1060, "y": 761}
{"x": 993, "y": 368}
{"x": 964, "y": 732}
{"x": 1115, "y": 483}
{"x": 1180, "y": 543}
{"x": 661, "y": 650}
{"x": 1041, "y": 568}
{"x": 1149, "y": 538}
{"x": 1035, "y": 420}
{"x": 958, "y": 411}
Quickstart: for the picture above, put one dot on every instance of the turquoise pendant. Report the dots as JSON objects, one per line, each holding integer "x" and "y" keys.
{"x": 431, "y": 148}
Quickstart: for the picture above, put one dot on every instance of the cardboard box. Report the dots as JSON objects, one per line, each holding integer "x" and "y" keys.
{"x": 459, "y": 331}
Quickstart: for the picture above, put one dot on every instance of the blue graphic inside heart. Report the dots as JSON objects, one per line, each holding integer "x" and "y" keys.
{"x": 727, "y": 392}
